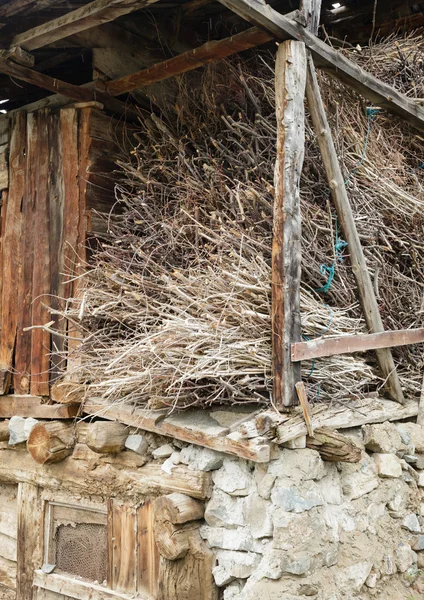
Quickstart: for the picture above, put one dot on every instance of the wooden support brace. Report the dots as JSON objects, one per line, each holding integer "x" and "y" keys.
{"x": 30, "y": 515}
{"x": 347, "y": 222}
{"x": 290, "y": 78}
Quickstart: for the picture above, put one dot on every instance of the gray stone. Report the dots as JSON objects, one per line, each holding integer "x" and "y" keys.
{"x": 410, "y": 459}
{"x": 234, "y": 565}
{"x": 411, "y": 433}
{"x": 164, "y": 451}
{"x": 201, "y": 459}
{"x": 383, "y": 438}
{"x": 294, "y": 498}
{"x": 277, "y": 562}
{"x": 411, "y": 523}
{"x": 418, "y": 543}
{"x": 330, "y": 486}
{"x": 388, "y": 465}
{"x": 231, "y": 539}
{"x": 371, "y": 581}
{"x": 224, "y": 510}
{"x": 258, "y": 514}
{"x": 420, "y": 481}
{"x": 353, "y": 577}
{"x": 137, "y": 443}
{"x": 298, "y": 465}
{"x": 234, "y": 477}
{"x": 19, "y": 429}
{"x": 388, "y": 566}
{"x": 420, "y": 461}
{"x": 308, "y": 589}
{"x": 405, "y": 557}
{"x": 420, "y": 560}
{"x": 359, "y": 478}
{"x": 265, "y": 486}
{"x": 398, "y": 504}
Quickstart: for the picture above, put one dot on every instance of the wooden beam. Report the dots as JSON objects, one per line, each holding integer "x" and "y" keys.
{"x": 311, "y": 13}
{"x": 92, "y": 14}
{"x": 347, "y": 222}
{"x": 32, "y": 406}
{"x": 66, "y": 586}
{"x": 30, "y": 538}
{"x": 329, "y": 59}
{"x": 290, "y": 80}
{"x": 13, "y": 7}
{"x": 346, "y": 344}
{"x": 190, "y": 426}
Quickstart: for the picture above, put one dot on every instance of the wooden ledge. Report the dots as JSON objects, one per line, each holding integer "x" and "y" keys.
{"x": 13, "y": 405}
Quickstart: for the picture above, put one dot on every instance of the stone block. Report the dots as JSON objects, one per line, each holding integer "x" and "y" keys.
{"x": 411, "y": 433}
{"x": 233, "y": 590}
{"x": 419, "y": 464}
{"x": 224, "y": 510}
{"x": 296, "y": 498}
{"x": 383, "y": 438}
{"x": 19, "y": 429}
{"x": 405, "y": 557}
{"x": 298, "y": 465}
{"x": 164, "y": 451}
{"x": 411, "y": 523}
{"x": 418, "y": 543}
{"x": 359, "y": 478}
{"x": 258, "y": 513}
{"x": 265, "y": 486}
{"x": 388, "y": 465}
{"x": 201, "y": 459}
{"x": 137, "y": 443}
{"x": 231, "y": 539}
{"x": 352, "y": 578}
{"x": 277, "y": 562}
{"x": 234, "y": 477}
{"x": 234, "y": 565}
{"x": 330, "y": 486}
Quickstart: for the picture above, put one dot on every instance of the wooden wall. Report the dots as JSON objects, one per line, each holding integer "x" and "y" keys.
{"x": 8, "y": 537}
{"x": 55, "y": 177}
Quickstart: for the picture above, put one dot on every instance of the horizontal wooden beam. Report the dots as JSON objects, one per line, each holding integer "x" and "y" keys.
{"x": 347, "y": 344}
{"x": 64, "y": 585}
{"x": 185, "y": 427}
{"x": 329, "y": 59}
{"x": 92, "y": 14}
{"x": 33, "y": 406}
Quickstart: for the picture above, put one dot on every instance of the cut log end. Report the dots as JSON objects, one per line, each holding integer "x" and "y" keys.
{"x": 51, "y": 442}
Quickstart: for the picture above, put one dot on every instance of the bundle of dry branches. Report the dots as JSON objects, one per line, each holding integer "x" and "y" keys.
{"x": 175, "y": 308}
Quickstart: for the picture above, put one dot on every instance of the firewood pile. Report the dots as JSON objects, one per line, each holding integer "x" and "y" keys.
{"x": 175, "y": 306}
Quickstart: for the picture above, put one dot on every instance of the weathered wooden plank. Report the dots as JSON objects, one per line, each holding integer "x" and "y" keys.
{"x": 40, "y": 338}
{"x": 102, "y": 477}
{"x": 347, "y": 344}
{"x": 123, "y": 534}
{"x": 30, "y": 527}
{"x": 8, "y": 573}
{"x": 311, "y": 13}
{"x": 195, "y": 428}
{"x": 13, "y": 7}
{"x": 290, "y": 80}
{"x": 147, "y": 552}
{"x": 343, "y": 415}
{"x": 32, "y": 406}
{"x": 19, "y": 56}
{"x": 11, "y": 248}
{"x": 22, "y": 372}
{"x": 347, "y": 222}
{"x": 329, "y": 59}
{"x": 91, "y": 15}
{"x": 9, "y": 511}
{"x": 4, "y": 130}
{"x": 8, "y": 546}
{"x": 77, "y": 588}
{"x": 4, "y": 166}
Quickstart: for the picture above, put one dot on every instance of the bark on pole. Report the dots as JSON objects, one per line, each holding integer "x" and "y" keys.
{"x": 290, "y": 81}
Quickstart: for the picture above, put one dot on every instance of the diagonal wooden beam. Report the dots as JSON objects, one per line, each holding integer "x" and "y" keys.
{"x": 92, "y": 14}
{"x": 332, "y": 61}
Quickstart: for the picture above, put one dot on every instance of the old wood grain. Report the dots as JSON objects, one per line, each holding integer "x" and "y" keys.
{"x": 30, "y": 527}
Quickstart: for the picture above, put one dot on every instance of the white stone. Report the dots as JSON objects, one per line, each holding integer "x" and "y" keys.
{"x": 163, "y": 451}
{"x": 234, "y": 565}
{"x": 383, "y": 438}
{"x": 405, "y": 557}
{"x": 359, "y": 478}
{"x": 418, "y": 543}
{"x": 277, "y": 562}
{"x": 298, "y": 465}
{"x": 231, "y": 539}
{"x": 234, "y": 477}
{"x": 265, "y": 486}
{"x": 411, "y": 523}
{"x": 296, "y": 498}
{"x": 258, "y": 514}
{"x": 420, "y": 478}
{"x": 137, "y": 443}
{"x": 330, "y": 486}
{"x": 201, "y": 459}
{"x": 224, "y": 510}
{"x": 388, "y": 566}
{"x": 232, "y": 591}
{"x": 296, "y": 444}
{"x": 371, "y": 581}
{"x": 352, "y": 578}
{"x": 168, "y": 465}
{"x": 388, "y": 465}
{"x": 29, "y": 425}
{"x": 19, "y": 429}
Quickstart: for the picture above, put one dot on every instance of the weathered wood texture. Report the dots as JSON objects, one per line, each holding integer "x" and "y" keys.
{"x": 122, "y": 545}
{"x": 8, "y": 535}
{"x": 106, "y": 436}
{"x": 67, "y": 587}
{"x": 346, "y": 344}
{"x": 329, "y": 59}
{"x": 334, "y": 446}
{"x": 30, "y": 525}
{"x": 51, "y": 442}
{"x": 33, "y": 406}
{"x": 290, "y": 80}
{"x": 347, "y": 221}
{"x": 311, "y": 12}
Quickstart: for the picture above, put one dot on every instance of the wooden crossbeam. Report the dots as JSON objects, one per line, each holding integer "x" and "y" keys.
{"x": 347, "y": 221}
{"x": 92, "y": 14}
{"x": 346, "y": 344}
{"x": 33, "y": 406}
{"x": 332, "y": 61}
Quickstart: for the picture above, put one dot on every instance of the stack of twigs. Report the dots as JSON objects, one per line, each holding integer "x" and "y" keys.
{"x": 175, "y": 308}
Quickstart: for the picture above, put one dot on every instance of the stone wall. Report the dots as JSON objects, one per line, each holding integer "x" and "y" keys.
{"x": 300, "y": 527}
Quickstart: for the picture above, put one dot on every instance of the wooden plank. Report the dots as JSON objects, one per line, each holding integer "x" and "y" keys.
{"x": 123, "y": 535}
{"x": 347, "y": 221}
{"x": 8, "y": 547}
{"x": 329, "y": 59}
{"x": 13, "y": 7}
{"x": 4, "y": 130}
{"x": 32, "y": 406}
{"x": 11, "y": 249}
{"x": 290, "y": 80}
{"x": 147, "y": 552}
{"x": 194, "y": 427}
{"x": 8, "y": 573}
{"x": 306, "y": 407}
{"x": 347, "y": 344}
{"x": 22, "y": 372}
{"x": 311, "y": 13}
{"x": 77, "y": 588}
{"x": 40, "y": 338}
{"x": 9, "y": 511}
{"x": 30, "y": 545}
{"x": 91, "y": 15}
{"x": 339, "y": 416}
{"x": 4, "y": 166}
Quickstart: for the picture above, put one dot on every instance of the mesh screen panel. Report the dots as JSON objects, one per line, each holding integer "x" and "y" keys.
{"x": 81, "y": 549}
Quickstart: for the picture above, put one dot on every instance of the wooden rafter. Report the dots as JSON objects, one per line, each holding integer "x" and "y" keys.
{"x": 85, "y": 17}
{"x": 346, "y": 344}
{"x": 330, "y": 60}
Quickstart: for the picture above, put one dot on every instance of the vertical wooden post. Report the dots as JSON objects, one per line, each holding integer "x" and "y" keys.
{"x": 347, "y": 222}
{"x": 30, "y": 535}
{"x": 290, "y": 78}
{"x": 311, "y": 11}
